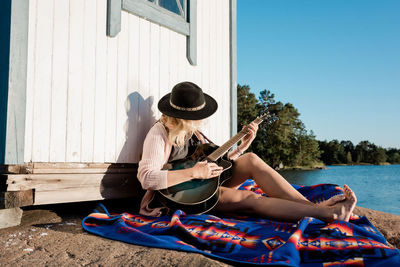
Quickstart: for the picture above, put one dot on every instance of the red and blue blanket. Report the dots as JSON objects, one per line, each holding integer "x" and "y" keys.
{"x": 309, "y": 242}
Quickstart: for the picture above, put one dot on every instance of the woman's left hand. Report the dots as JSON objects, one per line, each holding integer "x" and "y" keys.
{"x": 252, "y": 129}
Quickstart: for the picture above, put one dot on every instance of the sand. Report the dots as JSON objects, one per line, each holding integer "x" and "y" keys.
{"x": 52, "y": 236}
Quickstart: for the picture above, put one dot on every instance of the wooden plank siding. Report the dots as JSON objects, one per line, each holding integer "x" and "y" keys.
{"x": 45, "y": 183}
{"x": 92, "y": 98}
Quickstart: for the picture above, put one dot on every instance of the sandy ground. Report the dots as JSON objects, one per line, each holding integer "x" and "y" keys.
{"x": 52, "y": 236}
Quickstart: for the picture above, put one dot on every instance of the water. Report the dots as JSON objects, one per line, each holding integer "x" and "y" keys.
{"x": 376, "y": 187}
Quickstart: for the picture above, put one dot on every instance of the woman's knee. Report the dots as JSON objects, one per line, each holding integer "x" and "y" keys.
{"x": 253, "y": 160}
{"x": 238, "y": 200}
{"x": 230, "y": 195}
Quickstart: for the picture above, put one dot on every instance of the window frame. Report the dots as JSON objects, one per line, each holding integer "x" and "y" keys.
{"x": 157, "y": 14}
{"x": 186, "y": 25}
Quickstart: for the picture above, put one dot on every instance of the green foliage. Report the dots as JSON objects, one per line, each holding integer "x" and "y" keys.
{"x": 288, "y": 142}
{"x": 393, "y": 155}
{"x": 345, "y": 152}
{"x": 247, "y": 105}
{"x": 284, "y": 141}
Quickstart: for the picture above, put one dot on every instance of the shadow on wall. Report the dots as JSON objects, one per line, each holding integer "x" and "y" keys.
{"x": 120, "y": 179}
{"x": 140, "y": 118}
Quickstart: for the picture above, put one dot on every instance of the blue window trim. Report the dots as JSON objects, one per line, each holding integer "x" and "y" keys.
{"x": 159, "y": 15}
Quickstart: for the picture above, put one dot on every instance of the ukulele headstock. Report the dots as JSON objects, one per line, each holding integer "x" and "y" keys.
{"x": 267, "y": 116}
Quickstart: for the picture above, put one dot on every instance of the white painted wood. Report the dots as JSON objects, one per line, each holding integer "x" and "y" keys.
{"x": 218, "y": 57}
{"x": 133, "y": 96}
{"x": 100, "y": 83}
{"x": 164, "y": 63}
{"x": 183, "y": 63}
{"x": 225, "y": 59}
{"x": 196, "y": 70}
{"x": 219, "y": 63}
{"x": 88, "y": 80}
{"x": 75, "y": 81}
{"x": 173, "y": 60}
{"x": 111, "y": 95}
{"x": 154, "y": 84}
{"x": 205, "y": 46}
{"x": 121, "y": 150}
{"x": 42, "y": 82}
{"x": 154, "y": 77}
{"x": 213, "y": 88}
{"x": 59, "y": 82}
{"x": 146, "y": 97}
{"x": 30, "y": 80}
{"x": 92, "y": 98}
{"x": 83, "y": 170}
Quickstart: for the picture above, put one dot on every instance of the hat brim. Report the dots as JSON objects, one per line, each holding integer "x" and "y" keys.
{"x": 165, "y": 107}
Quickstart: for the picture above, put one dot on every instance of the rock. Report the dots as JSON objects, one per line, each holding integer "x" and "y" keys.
{"x": 10, "y": 217}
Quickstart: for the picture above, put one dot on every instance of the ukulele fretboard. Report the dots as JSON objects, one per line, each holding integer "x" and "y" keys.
{"x": 219, "y": 152}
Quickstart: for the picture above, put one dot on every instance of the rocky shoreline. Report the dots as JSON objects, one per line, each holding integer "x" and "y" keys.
{"x": 52, "y": 236}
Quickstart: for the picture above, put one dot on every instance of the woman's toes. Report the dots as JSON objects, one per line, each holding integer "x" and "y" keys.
{"x": 333, "y": 200}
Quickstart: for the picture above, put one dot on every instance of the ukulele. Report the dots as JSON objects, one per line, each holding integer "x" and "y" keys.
{"x": 198, "y": 196}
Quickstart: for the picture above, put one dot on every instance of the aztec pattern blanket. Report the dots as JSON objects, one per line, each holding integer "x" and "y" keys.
{"x": 254, "y": 241}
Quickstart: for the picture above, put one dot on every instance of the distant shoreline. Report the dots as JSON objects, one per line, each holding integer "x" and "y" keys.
{"x": 364, "y": 164}
{"x": 325, "y": 167}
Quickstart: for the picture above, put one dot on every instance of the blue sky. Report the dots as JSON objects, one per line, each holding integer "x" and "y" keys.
{"x": 336, "y": 61}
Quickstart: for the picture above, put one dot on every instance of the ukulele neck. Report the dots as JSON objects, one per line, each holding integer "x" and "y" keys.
{"x": 219, "y": 152}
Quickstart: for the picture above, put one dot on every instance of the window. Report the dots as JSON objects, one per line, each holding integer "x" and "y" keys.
{"x": 177, "y": 15}
{"x": 176, "y": 6}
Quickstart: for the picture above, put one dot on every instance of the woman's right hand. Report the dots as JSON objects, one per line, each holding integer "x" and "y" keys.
{"x": 206, "y": 170}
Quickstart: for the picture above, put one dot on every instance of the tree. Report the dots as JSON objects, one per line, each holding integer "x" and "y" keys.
{"x": 247, "y": 106}
{"x": 287, "y": 141}
{"x": 284, "y": 141}
{"x": 361, "y": 151}
{"x": 332, "y": 152}
{"x": 393, "y": 155}
{"x": 349, "y": 151}
{"x": 349, "y": 159}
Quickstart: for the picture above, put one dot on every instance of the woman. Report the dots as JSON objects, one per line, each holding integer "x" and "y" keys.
{"x": 176, "y": 135}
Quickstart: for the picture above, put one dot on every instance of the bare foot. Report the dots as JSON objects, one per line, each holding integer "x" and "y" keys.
{"x": 332, "y": 201}
{"x": 344, "y": 209}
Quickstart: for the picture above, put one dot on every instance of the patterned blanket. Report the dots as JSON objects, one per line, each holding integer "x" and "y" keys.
{"x": 254, "y": 241}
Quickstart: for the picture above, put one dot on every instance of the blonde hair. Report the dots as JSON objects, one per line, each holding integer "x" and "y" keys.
{"x": 181, "y": 129}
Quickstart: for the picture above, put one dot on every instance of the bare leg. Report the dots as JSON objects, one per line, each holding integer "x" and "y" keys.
{"x": 240, "y": 201}
{"x": 270, "y": 181}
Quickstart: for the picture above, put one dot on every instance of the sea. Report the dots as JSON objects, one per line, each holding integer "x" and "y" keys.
{"x": 376, "y": 187}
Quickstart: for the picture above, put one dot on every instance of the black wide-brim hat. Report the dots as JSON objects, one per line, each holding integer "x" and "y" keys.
{"x": 187, "y": 101}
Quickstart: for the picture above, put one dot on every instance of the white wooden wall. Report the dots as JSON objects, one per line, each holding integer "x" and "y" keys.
{"x": 91, "y": 98}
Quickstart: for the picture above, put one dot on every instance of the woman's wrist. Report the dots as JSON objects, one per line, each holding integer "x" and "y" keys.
{"x": 192, "y": 173}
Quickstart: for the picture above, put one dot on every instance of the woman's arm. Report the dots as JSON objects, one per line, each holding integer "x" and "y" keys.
{"x": 155, "y": 149}
{"x": 202, "y": 170}
{"x": 151, "y": 174}
{"x": 246, "y": 141}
